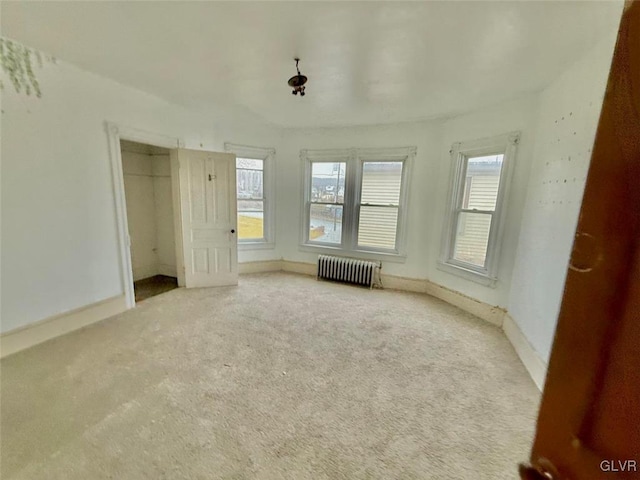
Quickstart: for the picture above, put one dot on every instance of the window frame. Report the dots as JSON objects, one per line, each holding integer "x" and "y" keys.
{"x": 267, "y": 155}
{"x": 355, "y": 159}
{"x": 460, "y": 152}
{"x": 309, "y": 202}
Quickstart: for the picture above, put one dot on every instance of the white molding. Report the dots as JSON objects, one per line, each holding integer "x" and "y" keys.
{"x": 176, "y": 197}
{"x": 484, "y": 145}
{"x": 115, "y": 133}
{"x": 38, "y": 332}
{"x": 531, "y": 360}
{"x": 327, "y": 155}
{"x": 344, "y": 154}
{"x": 142, "y": 136}
{"x": 405, "y": 284}
{"x": 303, "y": 268}
{"x": 250, "y": 151}
{"x": 386, "y": 153}
{"x": 260, "y": 266}
{"x": 402, "y": 228}
{"x": 489, "y": 313}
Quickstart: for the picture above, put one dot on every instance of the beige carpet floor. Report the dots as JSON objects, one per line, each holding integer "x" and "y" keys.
{"x": 282, "y": 377}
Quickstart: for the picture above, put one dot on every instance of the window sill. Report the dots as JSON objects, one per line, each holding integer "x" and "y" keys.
{"x": 362, "y": 254}
{"x": 256, "y": 245}
{"x": 468, "y": 274}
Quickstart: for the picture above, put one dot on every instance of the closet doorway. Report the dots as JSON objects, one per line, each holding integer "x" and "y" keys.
{"x": 150, "y": 217}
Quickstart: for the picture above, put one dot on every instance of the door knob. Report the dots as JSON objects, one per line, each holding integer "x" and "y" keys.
{"x": 233, "y": 230}
{"x": 528, "y": 472}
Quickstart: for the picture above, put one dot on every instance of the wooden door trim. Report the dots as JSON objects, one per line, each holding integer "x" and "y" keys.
{"x": 599, "y": 278}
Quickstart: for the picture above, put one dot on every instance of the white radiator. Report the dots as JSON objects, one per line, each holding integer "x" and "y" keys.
{"x": 349, "y": 270}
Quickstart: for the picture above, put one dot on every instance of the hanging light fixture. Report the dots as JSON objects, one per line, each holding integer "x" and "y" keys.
{"x": 297, "y": 81}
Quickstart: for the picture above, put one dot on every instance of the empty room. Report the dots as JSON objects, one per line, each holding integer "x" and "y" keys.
{"x": 320, "y": 240}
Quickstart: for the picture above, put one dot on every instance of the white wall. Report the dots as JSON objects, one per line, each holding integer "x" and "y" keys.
{"x": 141, "y": 213}
{"x": 147, "y": 185}
{"x": 428, "y": 186}
{"x": 566, "y": 126}
{"x": 164, "y": 220}
{"x": 59, "y": 240}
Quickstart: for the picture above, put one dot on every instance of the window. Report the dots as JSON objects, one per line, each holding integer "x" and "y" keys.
{"x": 355, "y": 199}
{"x": 326, "y": 204}
{"x": 250, "y": 191}
{"x": 254, "y": 167}
{"x": 472, "y": 233}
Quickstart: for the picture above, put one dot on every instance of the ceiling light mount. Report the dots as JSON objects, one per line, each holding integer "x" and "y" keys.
{"x": 297, "y": 81}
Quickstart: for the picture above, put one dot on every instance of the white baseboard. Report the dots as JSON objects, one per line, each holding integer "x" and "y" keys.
{"x": 531, "y": 360}
{"x": 300, "y": 267}
{"x": 35, "y": 333}
{"x": 140, "y": 273}
{"x": 260, "y": 266}
{"x": 489, "y": 313}
{"x": 264, "y": 266}
{"x": 168, "y": 270}
{"x": 152, "y": 271}
{"x": 393, "y": 282}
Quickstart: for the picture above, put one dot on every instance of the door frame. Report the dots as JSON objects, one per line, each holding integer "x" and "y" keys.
{"x": 115, "y": 133}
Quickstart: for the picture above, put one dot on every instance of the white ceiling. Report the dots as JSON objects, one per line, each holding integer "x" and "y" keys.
{"x": 367, "y": 62}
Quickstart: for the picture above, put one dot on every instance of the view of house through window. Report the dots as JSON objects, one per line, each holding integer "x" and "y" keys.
{"x": 326, "y": 205}
{"x": 250, "y": 188}
{"x": 477, "y": 208}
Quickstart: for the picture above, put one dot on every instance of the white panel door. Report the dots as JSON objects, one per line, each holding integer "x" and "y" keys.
{"x": 209, "y": 218}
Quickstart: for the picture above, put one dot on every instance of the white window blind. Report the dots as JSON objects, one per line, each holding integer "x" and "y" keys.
{"x": 379, "y": 204}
